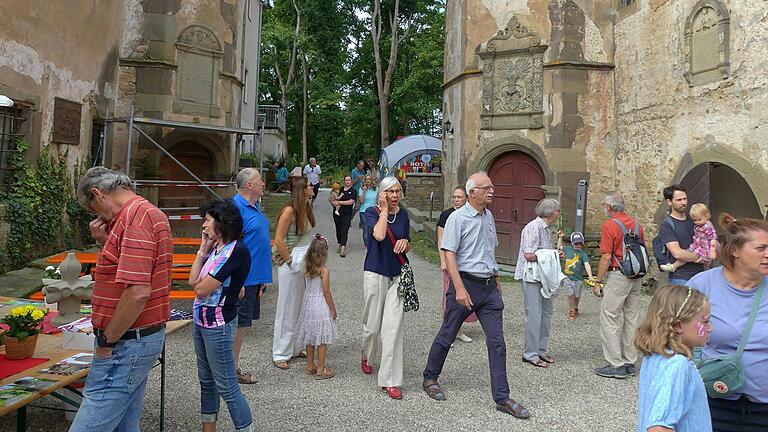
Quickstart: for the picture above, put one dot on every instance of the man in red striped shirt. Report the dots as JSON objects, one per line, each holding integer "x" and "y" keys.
{"x": 130, "y": 299}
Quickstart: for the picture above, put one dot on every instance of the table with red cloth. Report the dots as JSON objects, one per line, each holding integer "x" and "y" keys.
{"x": 49, "y": 351}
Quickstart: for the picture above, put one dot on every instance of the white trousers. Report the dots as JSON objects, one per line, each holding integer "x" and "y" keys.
{"x": 383, "y": 320}
{"x": 290, "y": 295}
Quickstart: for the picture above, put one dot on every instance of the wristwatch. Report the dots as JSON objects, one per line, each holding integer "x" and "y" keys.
{"x": 101, "y": 340}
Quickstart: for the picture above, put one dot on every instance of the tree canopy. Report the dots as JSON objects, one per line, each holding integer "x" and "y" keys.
{"x": 343, "y": 117}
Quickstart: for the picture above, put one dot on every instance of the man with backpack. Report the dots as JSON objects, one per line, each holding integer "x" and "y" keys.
{"x": 675, "y": 237}
{"x": 623, "y": 262}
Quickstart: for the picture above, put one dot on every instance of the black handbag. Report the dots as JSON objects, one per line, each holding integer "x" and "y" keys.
{"x": 406, "y": 288}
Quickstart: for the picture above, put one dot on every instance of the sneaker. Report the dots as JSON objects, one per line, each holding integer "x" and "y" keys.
{"x": 609, "y": 371}
{"x": 464, "y": 338}
{"x": 669, "y": 268}
{"x": 630, "y": 368}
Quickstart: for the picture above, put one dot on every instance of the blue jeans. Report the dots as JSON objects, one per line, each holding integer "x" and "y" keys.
{"x": 114, "y": 390}
{"x": 216, "y": 370}
{"x": 682, "y": 282}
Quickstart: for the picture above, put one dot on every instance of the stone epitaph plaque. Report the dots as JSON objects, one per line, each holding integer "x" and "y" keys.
{"x": 199, "y": 53}
{"x": 707, "y": 43}
{"x": 66, "y": 121}
{"x": 512, "y": 79}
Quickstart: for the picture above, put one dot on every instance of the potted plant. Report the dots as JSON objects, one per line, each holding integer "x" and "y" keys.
{"x": 24, "y": 326}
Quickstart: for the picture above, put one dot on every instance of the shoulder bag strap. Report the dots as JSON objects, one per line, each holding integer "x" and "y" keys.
{"x": 391, "y": 236}
{"x": 752, "y": 315}
{"x": 623, "y": 233}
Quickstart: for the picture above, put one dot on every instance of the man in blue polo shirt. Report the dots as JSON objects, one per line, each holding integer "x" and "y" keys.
{"x": 250, "y": 189}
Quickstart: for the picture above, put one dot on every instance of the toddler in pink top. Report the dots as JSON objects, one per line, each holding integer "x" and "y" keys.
{"x": 704, "y": 239}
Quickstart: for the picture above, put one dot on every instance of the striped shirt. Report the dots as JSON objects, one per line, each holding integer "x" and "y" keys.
{"x": 138, "y": 251}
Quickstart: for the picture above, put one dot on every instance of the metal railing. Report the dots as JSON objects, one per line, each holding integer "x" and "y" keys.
{"x": 273, "y": 116}
{"x": 10, "y": 123}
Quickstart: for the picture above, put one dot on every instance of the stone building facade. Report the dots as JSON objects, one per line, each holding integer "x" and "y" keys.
{"x": 628, "y": 95}
{"x": 70, "y": 65}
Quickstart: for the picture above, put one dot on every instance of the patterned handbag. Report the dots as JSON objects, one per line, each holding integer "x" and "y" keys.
{"x": 406, "y": 289}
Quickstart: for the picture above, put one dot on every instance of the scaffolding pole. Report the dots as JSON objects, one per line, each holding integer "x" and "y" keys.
{"x": 130, "y": 143}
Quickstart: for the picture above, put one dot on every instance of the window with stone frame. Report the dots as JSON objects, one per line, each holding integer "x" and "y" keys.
{"x": 625, "y": 3}
{"x": 11, "y": 120}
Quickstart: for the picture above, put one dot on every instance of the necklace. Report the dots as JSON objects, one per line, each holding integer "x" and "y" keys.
{"x": 393, "y": 220}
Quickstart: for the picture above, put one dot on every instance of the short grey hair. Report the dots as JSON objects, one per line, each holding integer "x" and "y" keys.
{"x": 547, "y": 207}
{"x": 387, "y": 183}
{"x": 615, "y": 201}
{"x": 471, "y": 184}
{"x": 244, "y": 176}
{"x": 103, "y": 179}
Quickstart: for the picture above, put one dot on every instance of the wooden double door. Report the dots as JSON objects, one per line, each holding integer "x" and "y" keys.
{"x": 517, "y": 179}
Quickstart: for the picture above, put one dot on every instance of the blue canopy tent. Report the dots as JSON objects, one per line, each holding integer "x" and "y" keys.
{"x": 405, "y": 148}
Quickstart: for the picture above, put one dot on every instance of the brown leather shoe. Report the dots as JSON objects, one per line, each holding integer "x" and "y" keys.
{"x": 514, "y": 409}
{"x": 433, "y": 389}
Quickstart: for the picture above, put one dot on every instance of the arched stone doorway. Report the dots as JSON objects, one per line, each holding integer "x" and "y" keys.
{"x": 517, "y": 180}
{"x": 722, "y": 189}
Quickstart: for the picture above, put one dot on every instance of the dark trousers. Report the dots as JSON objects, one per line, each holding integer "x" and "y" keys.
{"x": 342, "y": 223}
{"x": 741, "y": 415}
{"x": 315, "y": 189}
{"x": 489, "y": 307}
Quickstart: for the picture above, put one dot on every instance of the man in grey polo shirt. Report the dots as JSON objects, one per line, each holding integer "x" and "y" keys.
{"x": 469, "y": 243}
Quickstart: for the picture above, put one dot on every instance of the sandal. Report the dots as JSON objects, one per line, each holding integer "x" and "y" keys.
{"x": 433, "y": 390}
{"x": 280, "y": 364}
{"x": 538, "y": 363}
{"x": 547, "y": 358}
{"x": 302, "y": 354}
{"x": 310, "y": 370}
{"x": 325, "y": 374}
{"x": 246, "y": 378}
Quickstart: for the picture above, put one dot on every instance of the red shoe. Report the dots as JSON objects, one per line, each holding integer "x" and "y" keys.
{"x": 367, "y": 369}
{"x": 393, "y": 392}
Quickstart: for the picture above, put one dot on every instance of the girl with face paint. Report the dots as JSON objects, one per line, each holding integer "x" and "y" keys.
{"x": 672, "y": 394}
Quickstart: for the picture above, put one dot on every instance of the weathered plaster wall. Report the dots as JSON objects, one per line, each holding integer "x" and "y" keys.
{"x": 60, "y": 49}
{"x": 664, "y": 127}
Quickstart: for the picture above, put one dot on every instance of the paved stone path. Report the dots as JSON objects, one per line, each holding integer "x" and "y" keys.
{"x": 565, "y": 397}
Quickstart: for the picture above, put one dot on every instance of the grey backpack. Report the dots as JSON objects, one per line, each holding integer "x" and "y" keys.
{"x": 634, "y": 256}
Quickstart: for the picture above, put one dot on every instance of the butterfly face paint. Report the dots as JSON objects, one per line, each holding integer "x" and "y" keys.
{"x": 701, "y": 329}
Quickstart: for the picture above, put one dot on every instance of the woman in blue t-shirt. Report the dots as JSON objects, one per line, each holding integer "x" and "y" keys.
{"x": 383, "y": 307}
{"x": 732, "y": 289}
{"x": 367, "y": 196}
{"x": 217, "y": 276}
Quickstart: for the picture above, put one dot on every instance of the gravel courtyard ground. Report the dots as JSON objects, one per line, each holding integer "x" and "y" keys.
{"x": 566, "y": 397}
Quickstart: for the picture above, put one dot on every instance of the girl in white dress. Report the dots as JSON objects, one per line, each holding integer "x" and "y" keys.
{"x": 317, "y": 321}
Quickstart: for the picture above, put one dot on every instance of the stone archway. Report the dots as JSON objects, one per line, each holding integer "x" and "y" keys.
{"x": 722, "y": 189}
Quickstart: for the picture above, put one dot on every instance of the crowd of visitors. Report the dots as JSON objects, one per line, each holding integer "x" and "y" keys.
{"x": 702, "y": 323}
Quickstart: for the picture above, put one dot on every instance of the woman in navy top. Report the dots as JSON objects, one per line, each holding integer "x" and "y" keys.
{"x": 383, "y": 307}
{"x": 217, "y": 276}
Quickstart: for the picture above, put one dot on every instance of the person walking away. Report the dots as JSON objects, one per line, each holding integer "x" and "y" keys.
{"x": 217, "y": 276}
{"x": 130, "y": 299}
{"x": 672, "y": 394}
{"x": 312, "y": 172}
{"x": 292, "y": 237}
{"x": 676, "y": 233}
{"x": 346, "y": 201}
{"x": 537, "y": 236}
{"x": 469, "y": 242}
{"x": 734, "y": 289}
{"x": 458, "y": 198}
{"x": 367, "y": 196}
{"x": 577, "y": 269}
{"x": 704, "y": 243}
{"x": 250, "y": 189}
{"x": 382, "y": 305}
{"x": 317, "y": 321}
{"x": 620, "y": 304}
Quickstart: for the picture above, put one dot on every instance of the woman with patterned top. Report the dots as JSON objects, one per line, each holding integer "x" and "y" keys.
{"x": 217, "y": 276}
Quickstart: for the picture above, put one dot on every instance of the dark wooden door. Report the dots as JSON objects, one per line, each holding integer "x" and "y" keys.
{"x": 517, "y": 180}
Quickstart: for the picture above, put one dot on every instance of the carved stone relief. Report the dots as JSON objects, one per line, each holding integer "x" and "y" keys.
{"x": 707, "y": 43}
{"x": 512, "y": 79}
{"x": 199, "y": 60}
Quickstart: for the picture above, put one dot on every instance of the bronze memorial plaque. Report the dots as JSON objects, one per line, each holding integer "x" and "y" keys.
{"x": 66, "y": 121}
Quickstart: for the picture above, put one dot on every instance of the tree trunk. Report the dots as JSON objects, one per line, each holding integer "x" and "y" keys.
{"x": 304, "y": 113}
